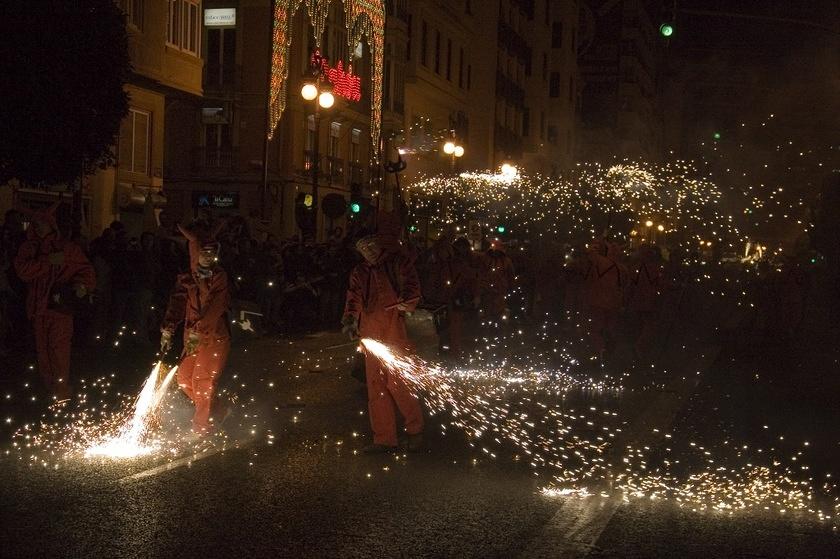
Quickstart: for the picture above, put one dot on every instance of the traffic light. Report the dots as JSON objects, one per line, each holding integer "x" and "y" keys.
{"x": 501, "y": 229}
{"x": 666, "y": 30}
{"x": 716, "y": 136}
{"x": 357, "y": 201}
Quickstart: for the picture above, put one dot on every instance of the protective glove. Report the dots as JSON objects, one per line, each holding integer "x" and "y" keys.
{"x": 192, "y": 342}
{"x": 350, "y": 326}
{"x": 165, "y": 341}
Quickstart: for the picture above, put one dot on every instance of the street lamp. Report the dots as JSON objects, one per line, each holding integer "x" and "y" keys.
{"x": 323, "y": 98}
{"x": 509, "y": 171}
{"x": 309, "y": 91}
{"x": 326, "y": 100}
{"x": 454, "y": 151}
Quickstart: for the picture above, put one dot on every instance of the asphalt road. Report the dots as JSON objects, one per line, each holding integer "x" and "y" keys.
{"x": 290, "y": 481}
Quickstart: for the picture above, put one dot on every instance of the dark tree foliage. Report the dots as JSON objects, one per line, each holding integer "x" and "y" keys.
{"x": 63, "y": 64}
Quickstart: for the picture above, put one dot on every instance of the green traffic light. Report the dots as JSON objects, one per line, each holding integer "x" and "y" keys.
{"x": 666, "y": 29}
{"x": 501, "y": 229}
{"x": 716, "y": 135}
{"x": 355, "y": 207}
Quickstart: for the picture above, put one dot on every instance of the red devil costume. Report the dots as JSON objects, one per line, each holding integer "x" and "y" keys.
{"x": 604, "y": 280}
{"x": 644, "y": 301}
{"x": 55, "y": 271}
{"x": 382, "y": 289}
{"x": 496, "y": 280}
{"x": 201, "y": 300}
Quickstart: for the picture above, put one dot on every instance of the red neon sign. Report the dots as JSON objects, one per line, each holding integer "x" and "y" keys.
{"x": 345, "y": 83}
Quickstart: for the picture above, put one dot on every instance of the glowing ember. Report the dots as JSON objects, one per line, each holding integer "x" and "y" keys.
{"x": 524, "y": 413}
{"x": 132, "y": 437}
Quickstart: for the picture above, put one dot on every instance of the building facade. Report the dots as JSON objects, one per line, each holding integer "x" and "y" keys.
{"x": 486, "y": 76}
{"x": 165, "y": 41}
{"x": 232, "y": 168}
{"x": 619, "y": 59}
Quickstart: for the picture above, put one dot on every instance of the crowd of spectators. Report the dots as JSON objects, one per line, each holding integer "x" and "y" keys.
{"x": 287, "y": 287}
{"x": 290, "y": 287}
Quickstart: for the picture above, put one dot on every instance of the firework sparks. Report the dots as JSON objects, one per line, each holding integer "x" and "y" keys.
{"x": 132, "y": 437}
{"x": 577, "y": 446}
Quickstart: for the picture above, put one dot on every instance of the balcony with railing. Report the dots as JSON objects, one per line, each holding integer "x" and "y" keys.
{"x": 215, "y": 159}
{"x": 509, "y": 90}
{"x": 508, "y": 141}
{"x": 335, "y": 166}
{"x": 514, "y": 43}
{"x": 357, "y": 173}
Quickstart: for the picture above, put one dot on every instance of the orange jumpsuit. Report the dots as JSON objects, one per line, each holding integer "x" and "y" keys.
{"x": 604, "y": 297}
{"x": 497, "y": 281}
{"x": 647, "y": 287}
{"x": 372, "y": 289}
{"x": 53, "y": 325}
{"x": 202, "y": 304}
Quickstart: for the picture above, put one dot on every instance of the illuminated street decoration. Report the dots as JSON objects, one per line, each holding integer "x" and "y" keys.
{"x": 364, "y": 19}
{"x": 585, "y": 201}
{"x": 345, "y": 83}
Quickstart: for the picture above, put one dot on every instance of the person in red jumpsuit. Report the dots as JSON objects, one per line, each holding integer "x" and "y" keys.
{"x": 382, "y": 289}
{"x": 647, "y": 287}
{"x": 436, "y": 287}
{"x": 201, "y": 301}
{"x": 497, "y": 280}
{"x": 464, "y": 294}
{"x": 605, "y": 280}
{"x": 55, "y": 271}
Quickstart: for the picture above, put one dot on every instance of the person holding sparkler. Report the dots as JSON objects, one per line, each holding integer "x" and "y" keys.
{"x": 498, "y": 278}
{"x": 201, "y": 300}
{"x": 57, "y": 274}
{"x": 605, "y": 280}
{"x": 382, "y": 289}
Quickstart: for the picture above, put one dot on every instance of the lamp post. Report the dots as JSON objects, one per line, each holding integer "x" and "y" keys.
{"x": 315, "y": 91}
{"x": 454, "y": 151}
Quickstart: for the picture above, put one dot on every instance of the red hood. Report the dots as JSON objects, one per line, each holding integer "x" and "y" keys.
{"x": 46, "y": 215}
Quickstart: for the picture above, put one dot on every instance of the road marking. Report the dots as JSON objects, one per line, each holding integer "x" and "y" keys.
{"x": 181, "y": 462}
{"x": 577, "y": 526}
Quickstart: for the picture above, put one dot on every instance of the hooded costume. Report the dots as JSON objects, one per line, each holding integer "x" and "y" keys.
{"x": 605, "y": 281}
{"x": 497, "y": 280}
{"x": 49, "y": 296}
{"x": 376, "y": 289}
{"x": 201, "y": 300}
{"x": 644, "y": 300}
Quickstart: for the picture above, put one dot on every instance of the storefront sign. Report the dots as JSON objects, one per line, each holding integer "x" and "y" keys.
{"x": 216, "y": 200}
{"x": 345, "y": 83}
{"x": 220, "y": 17}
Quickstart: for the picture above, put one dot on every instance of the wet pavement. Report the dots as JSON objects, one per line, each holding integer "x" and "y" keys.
{"x": 290, "y": 480}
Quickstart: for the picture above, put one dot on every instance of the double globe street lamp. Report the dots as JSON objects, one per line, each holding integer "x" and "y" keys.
{"x": 323, "y": 97}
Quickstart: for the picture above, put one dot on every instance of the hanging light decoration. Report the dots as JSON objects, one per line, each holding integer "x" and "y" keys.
{"x": 363, "y": 18}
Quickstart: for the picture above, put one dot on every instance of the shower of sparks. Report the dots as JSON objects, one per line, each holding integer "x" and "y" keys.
{"x": 82, "y": 428}
{"x": 527, "y": 412}
{"x": 132, "y": 438}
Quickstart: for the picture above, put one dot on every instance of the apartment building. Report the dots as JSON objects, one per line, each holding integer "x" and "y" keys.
{"x": 165, "y": 41}
{"x": 487, "y": 75}
{"x": 619, "y": 61}
{"x": 232, "y": 168}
